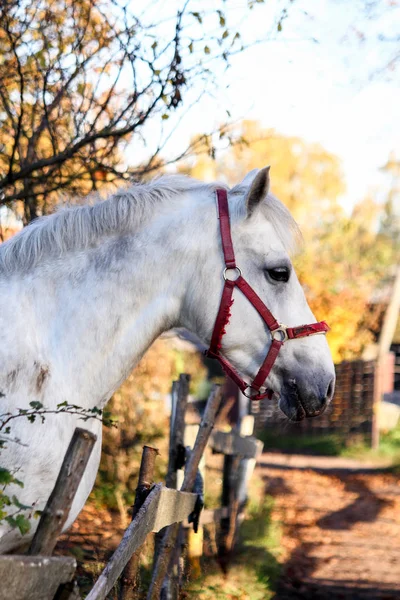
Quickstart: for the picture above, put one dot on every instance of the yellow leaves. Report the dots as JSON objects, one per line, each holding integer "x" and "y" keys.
{"x": 198, "y": 17}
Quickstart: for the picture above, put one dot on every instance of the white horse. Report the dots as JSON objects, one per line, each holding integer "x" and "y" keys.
{"x": 84, "y": 292}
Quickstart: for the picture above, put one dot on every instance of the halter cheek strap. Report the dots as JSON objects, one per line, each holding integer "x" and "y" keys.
{"x": 279, "y": 333}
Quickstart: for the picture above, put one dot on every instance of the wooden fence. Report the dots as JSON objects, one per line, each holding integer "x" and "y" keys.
{"x": 175, "y": 513}
{"x": 351, "y": 411}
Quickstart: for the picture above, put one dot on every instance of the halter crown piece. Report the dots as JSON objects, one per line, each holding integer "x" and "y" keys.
{"x": 279, "y": 333}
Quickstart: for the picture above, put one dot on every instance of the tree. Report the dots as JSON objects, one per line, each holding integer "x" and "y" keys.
{"x": 345, "y": 259}
{"x": 345, "y": 263}
{"x": 304, "y": 176}
{"x": 81, "y": 79}
{"x": 390, "y": 222}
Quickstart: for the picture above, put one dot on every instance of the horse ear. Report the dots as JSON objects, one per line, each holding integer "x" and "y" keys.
{"x": 258, "y": 190}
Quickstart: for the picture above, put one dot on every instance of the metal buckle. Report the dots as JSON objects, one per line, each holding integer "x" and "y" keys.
{"x": 238, "y": 271}
{"x": 281, "y": 332}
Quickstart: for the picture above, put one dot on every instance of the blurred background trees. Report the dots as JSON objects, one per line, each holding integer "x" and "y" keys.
{"x": 347, "y": 263}
{"x": 81, "y": 79}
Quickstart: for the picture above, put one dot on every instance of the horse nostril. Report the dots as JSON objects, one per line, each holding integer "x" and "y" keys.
{"x": 330, "y": 390}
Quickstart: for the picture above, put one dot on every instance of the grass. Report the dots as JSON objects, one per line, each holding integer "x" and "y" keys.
{"x": 255, "y": 565}
{"x": 335, "y": 445}
{"x": 325, "y": 445}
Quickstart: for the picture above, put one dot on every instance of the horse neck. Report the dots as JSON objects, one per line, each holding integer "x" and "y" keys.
{"x": 114, "y": 301}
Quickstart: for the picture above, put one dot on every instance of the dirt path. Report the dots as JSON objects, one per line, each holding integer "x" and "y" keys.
{"x": 341, "y": 527}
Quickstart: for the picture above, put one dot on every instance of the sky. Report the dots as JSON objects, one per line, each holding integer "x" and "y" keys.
{"x": 323, "y": 77}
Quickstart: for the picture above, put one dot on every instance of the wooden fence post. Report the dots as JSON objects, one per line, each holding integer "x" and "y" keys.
{"x": 176, "y": 458}
{"x": 385, "y": 340}
{"x": 173, "y": 580}
{"x": 195, "y": 539}
{"x": 146, "y": 479}
{"x": 237, "y": 471}
{"x": 179, "y": 400}
{"x": 230, "y": 501}
{"x": 163, "y": 558}
{"x": 60, "y": 501}
{"x": 247, "y": 465}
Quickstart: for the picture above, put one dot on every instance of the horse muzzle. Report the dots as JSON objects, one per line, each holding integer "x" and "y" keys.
{"x": 301, "y": 399}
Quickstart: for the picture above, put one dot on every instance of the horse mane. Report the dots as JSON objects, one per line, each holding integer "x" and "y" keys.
{"x": 79, "y": 227}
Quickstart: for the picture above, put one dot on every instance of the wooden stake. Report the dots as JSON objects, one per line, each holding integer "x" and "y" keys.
{"x": 129, "y": 582}
{"x": 385, "y": 340}
{"x": 179, "y": 400}
{"x": 60, "y": 501}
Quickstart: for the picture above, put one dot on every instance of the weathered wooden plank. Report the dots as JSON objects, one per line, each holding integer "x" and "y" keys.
{"x": 34, "y": 577}
{"x": 233, "y": 444}
{"x": 174, "y": 507}
{"x": 162, "y": 507}
{"x": 59, "y": 504}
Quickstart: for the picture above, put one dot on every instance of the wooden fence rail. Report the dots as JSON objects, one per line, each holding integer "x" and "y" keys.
{"x": 351, "y": 411}
{"x": 162, "y": 507}
{"x": 157, "y": 507}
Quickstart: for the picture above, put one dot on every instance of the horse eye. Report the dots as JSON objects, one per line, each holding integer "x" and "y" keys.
{"x": 279, "y": 274}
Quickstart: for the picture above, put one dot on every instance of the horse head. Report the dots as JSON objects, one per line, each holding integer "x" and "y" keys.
{"x": 257, "y": 329}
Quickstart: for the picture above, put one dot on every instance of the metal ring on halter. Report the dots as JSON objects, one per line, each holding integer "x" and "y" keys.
{"x": 282, "y": 333}
{"x": 239, "y": 272}
{"x": 253, "y": 393}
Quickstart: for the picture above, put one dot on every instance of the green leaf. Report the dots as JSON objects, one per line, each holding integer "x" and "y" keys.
{"x": 11, "y": 521}
{"x": 279, "y": 26}
{"x": 3, "y": 515}
{"x": 4, "y": 500}
{"x": 23, "y": 524}
{"x": 19, "y": 522}
{"x": 36, "y": 405}
{"x": 17, "y": 503}
{"x": 5, "y": 476}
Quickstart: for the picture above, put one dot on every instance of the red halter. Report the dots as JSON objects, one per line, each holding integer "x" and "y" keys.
{"x": 279, "y": 333}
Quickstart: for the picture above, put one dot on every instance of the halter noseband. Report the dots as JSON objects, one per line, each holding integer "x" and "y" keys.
{"x": 279, "y": 333}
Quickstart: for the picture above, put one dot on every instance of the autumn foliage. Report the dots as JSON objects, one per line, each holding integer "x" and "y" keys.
{"x": 347, "y": 260}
